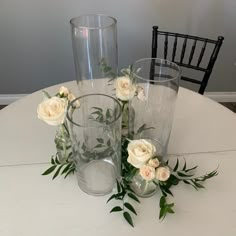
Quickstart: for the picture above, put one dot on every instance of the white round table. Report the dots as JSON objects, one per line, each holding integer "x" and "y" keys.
{"x": 204, "y": 133}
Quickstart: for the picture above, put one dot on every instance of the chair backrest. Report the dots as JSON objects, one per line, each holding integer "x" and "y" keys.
{"x": 191, "y": 58}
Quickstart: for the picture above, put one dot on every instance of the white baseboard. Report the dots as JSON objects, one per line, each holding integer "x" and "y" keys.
{"x": 221, "y": 96}
{"x": 6, "y": 99}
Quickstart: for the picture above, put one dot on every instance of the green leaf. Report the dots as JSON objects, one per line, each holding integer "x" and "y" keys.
{"x": 107, "y": 69}
{"x": 97, "y": 113}
{"x": 193, "y": 168}
{"x": 162, "y": 213}
{"x": 52, "y": 161}
{"x": 71, "y": 170}
{"x": 198, "y": 185}
{"x": 108, "y": 114}
{"x": 130, "y": 207}
{"x": 57, "y": 172}
{"x": 98, "y": 145}
{"x": 100, "y": 140}
{"x": 176, "y": 165}
{"x": 128, "y": 218}
{"x": 166, "y": 190}
{"x": 183, "y": 175}
{"x": 57, "y": 161}
{"x": 169, "y": 210}
{"x": 49, "y": 170}
{"x": 97, "y": 108}
{"x": 162, "y": 201}
{"x": 109, "y": 142}
{"x": 67, "y": 168}
{"x": 116, "y": 209}
{"x": 118, "y": 186}
{"x": 131, "y": 195}
{"x": 173, "y": 180}
{"x": 184, "y": 168}
{"x": 186, "y": 181}
{"x": 111, "y": 197}
{"x": 120, "y": 195}
{"x": 155, "y": 183}
{"x": 143, "y": 128}
{"x": 46, "y": 94}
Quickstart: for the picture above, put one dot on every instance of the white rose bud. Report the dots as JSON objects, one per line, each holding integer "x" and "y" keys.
{"x": 140, "y": 152}
{"x": 63, "y": 91}
{"x": 154, "y": 163}
{"x": 140, "y": 94}
{"x": 52, "y": 111}
{"x": 125, "y": 90}
{"x": 162, "y": 173}
{"x": 147, "y": 172}
{"x": 72, "y": 97}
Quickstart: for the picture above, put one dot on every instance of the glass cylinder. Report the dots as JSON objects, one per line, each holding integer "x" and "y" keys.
{"x": 142, "y": 187}
{"x": 94, "y": 41}
{"x": 157, "y": 83}
{"x": 63, "y": 144}
{"x": 95, "y": 130}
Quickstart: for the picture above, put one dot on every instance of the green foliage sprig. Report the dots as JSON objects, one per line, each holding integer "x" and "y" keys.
{"x": 178, "y": 174}
{"x": 106, "y": 69}
{"x": 57, "y": 167}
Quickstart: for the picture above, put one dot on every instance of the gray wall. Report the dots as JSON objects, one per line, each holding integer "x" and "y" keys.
{"x": 35, "y": 44}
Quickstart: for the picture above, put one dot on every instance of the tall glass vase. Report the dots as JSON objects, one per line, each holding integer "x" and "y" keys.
{"x": 94, "y": 41}
{"x": 157, "y": 83}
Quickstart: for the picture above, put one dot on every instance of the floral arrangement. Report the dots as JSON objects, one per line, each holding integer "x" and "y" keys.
{"x": 139, "y": 158}
{"x": 141, "y": 163}
{"x": 52, "y": 110}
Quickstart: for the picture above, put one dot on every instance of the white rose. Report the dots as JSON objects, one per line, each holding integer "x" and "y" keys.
{"x": 72, "y": 97}
{"x": 154, "y": 162}
{"x": 147, "y": 172}
{"x": 140, "y": 94}
{"x": 163, "y": 173}
{"x": 52, "y": 111}
{"x": 63, "y": 91}
{"x": 125, "y": 90}
{"x": 140, "y": 152}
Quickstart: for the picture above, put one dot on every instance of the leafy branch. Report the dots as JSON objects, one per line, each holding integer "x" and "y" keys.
{"x": 180, "y": 175}
{"x": 57, "y": 167}
{"x": 99, "y": 115}
{"x": 123, "y": 192}
{"x": 107, "y": 70}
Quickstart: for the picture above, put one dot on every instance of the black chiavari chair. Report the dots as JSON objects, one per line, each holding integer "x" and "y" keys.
{"x": 186, "y": 59}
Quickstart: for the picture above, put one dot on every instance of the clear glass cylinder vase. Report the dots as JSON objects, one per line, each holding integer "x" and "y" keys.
{"x": 157, "y": 83}
{"x": 94, "y": 41}
{"x": 95, "y": 130}
{"x": 142, "y": 187}
{"x": 63, "y": 144}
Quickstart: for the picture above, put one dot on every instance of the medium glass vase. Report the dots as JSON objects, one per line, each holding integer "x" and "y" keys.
{"x": 94, "y": 41}
{"x": 157, "y": 83}
{"x": 95, "y": 130}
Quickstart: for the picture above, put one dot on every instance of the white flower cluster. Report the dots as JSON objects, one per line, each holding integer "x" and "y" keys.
{"x": 126, "y": 90}
{"x": 53, "y": 110}
{"x": 142, "y": 156}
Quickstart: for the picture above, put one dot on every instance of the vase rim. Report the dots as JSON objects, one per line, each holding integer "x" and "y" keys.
{"x": 113, "y": 21}
{"x": 69, "y": 117}
{"x": 175, "y": 67}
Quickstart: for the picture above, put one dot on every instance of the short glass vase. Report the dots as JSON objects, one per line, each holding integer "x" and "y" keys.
{"x": 142, "y": 187}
